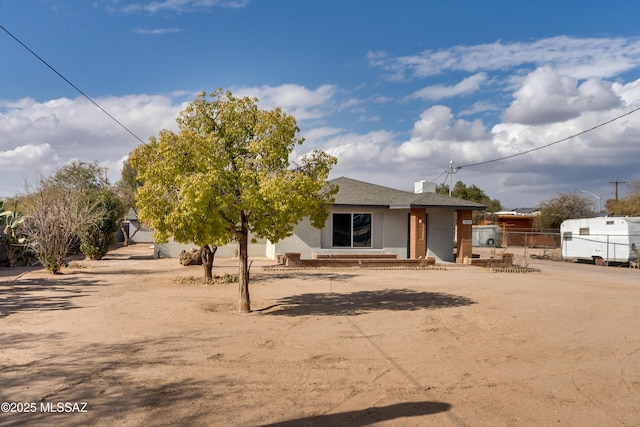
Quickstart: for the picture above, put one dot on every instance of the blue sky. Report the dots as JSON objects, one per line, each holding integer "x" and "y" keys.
{"x": 395, "y": 89}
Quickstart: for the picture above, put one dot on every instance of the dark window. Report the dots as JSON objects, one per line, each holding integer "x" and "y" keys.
{"x": 352, "y": 230}
{"x": 362, "y": 230}
{"x": 342, "y": 230}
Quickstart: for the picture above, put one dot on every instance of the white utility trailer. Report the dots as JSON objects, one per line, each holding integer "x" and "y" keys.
{"x": 602, "y": 240}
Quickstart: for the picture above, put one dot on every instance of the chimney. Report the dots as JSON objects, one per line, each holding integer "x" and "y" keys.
{"x": 424, "y": 187}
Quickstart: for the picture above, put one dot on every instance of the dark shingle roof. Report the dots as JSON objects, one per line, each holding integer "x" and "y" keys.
{"x": 358, "y": 193}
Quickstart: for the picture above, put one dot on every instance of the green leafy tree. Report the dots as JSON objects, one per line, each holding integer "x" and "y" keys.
{"x": 557, "y": 209}
{"x": 226, "y": 175}
{"x": 80, "y": 175}
{"x": 97, "y": 237}
{"x": 474, "y": 194}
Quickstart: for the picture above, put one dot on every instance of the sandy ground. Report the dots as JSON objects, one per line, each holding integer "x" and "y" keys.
{"x": 129, "y": 341}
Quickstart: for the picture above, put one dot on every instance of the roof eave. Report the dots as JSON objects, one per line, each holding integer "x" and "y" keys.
{"x": 355, "y": 205}
{"x": 425, "y": 206}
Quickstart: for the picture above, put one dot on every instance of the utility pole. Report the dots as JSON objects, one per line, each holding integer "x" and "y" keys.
{"x": 450, "y": 171}
{"x": 616, "y": 183}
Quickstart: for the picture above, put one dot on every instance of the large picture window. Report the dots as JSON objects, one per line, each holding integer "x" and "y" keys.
{"x": 352, "y": 230}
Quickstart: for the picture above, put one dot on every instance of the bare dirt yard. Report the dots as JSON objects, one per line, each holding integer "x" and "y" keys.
{"x": 132, "y": 341}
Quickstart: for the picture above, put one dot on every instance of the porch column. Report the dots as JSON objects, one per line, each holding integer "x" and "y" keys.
{"x": 464, "y": 227}
{"x": 417, "y": 233}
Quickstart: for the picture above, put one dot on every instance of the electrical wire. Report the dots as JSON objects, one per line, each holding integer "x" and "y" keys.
{"x": 71, "y": 84}
{"x": 457, "y": 168}
{"x": 451, "y": 170}
{"x": 552, "y": 143}
{"x": 436, "y": 178}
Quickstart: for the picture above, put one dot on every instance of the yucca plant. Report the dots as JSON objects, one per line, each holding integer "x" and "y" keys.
{"x": 10, "y": 236}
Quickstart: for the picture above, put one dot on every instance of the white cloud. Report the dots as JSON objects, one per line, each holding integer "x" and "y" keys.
{"x": 29, "y": 155}
{"x": 368, "y": 119}
{"x": 552, "y": 88}
{"x": 435, "y": 136}
{"x": 155, "y": 6}
{"x": 315, "y": 134}
{"x": 629, "y": 93}
{"x": 359, "y": 151}
{"x": 576, "y": 57}
{"x": 547, "y": 96}
{"x": 351, "y": 104}
{"x": 437, "y": 123}
{"x": 587, "y": 162}
{"x": 23, "y": 164}
{"x": 296, "y": 100}
{"x": 479, "y": 107}
{"x": 158, "y": 31}
{"x": 45, "y": 135}
{"x": 436, "y": 92}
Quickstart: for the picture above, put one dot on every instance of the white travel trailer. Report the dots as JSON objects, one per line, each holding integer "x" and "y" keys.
{"x": 603, "y": 240}
{"x": 486, "y": 235}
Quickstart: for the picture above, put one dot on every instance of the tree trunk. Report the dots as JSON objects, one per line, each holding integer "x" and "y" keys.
{"x": 207, "y": 254}
{"x": 244, "y": 303}
{"x": 124, "y": 234}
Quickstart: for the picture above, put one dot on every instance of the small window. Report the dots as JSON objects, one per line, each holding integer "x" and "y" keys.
{"x": 584, "y": 231}
{"x": 610, "y": 222}
{"x": 352, "y": 230}
{"x": 567, "y": 235}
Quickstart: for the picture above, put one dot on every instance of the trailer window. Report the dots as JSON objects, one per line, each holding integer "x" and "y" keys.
{"x": 567, "y": 235}
{"x": 609, "y": 222}
{"x": 584, "y": 231}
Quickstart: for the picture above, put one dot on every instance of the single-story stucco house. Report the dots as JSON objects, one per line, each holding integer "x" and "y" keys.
{"x": 370, "y": 219}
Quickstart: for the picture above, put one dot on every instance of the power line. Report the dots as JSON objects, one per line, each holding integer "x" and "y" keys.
{"x": 552, "y": 143}
{"x": 71, "y": 84}
{"x": 437, "y": 177}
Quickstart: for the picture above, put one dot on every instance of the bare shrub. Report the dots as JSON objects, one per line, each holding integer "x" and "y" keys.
{"x": 55, "y": 216}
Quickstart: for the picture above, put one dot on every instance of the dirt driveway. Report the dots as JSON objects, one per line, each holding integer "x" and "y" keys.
{"x": 133, "y": 342}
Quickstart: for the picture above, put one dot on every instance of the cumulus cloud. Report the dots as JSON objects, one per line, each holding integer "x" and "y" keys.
{"x": 26, "y": 155}
{"x": 546, "y": 90}
{"x": 20, "y": 165}
{"x": 44, "y": 136}
{"x": 523, "y": 160}
{"x": 320, "y": 133}
{"x": 296, "y": 100}
{"x": 50, "y": 134}
{"x": 435, "y": 136}
{"x": 547, "y": 96}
